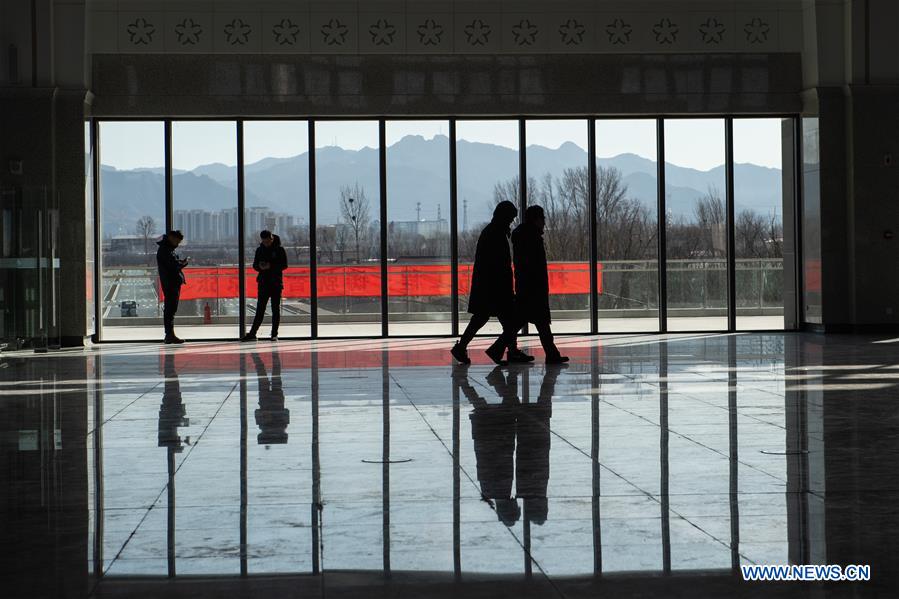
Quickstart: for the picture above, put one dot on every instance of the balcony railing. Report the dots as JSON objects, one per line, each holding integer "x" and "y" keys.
{"x": 423, "y": 291}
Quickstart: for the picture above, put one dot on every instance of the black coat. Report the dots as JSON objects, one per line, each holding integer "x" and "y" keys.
{"x": 531, "y": 275}
{"x": 169, "y": 265}
{"x": 492, "y": 292}
{"x": 273, "y": 278}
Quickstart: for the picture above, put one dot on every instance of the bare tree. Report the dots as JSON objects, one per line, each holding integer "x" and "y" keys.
{"x": 299, "y": 239}
{"x": 758, "y": 236}
{"x": 510, "y": 191}
{"x": 146, "y": 228}
{"x": 325, "y": 241}
{"x": 355, "y": 211}
{"x": 341, "y": 236}
{"x": 712, "y": 221}
{"x": 626, "y": 230}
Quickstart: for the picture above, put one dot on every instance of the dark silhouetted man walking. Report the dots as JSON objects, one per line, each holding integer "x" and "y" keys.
{"x": 171, "y": 278}
{"x": 532, "y": 280}
{"x": 492, "y": 291}
{"x": 270, "y": 262}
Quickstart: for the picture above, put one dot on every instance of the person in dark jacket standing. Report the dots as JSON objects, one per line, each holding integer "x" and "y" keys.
{"x": 492, "y": 291}
{"x": 270, "y": 262}
{"x": 171, "y": 278}
{"x": 532, "y": 280}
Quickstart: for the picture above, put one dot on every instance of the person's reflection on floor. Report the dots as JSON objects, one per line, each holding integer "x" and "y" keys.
{"x": 172, "y": 413}
{"x": 532, "y": 459}
{"x": 271, "y": 416}
{"x": 494, "y": 429}
{"x": 493, "y": 432}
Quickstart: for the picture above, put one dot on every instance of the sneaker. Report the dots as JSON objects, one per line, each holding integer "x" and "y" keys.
{"x": 172, "y": 339}
{"x": 495, "y": 352}
{"x": 556, "y": 359}
{"x": 249, "y": 337}
{"x": 273, "y": 338}
{"x": 461, "y": 354}
{"x": 519, "y": 357}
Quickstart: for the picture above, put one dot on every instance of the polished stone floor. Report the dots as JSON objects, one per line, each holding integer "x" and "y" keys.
{"x": 652, "y": 465}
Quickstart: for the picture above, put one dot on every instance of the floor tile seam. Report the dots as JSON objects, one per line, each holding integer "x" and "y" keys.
{"x": 710, "y": 535}
{"x": 163, "y": 490}
{"x": 694, "y": 441}
{"x": 130, "y": 403}
{"x": 744, "y": 414}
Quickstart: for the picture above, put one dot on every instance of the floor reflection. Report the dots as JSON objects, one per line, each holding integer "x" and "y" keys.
{"x": 272, "y": 417}
{"x": 511, "y": 442}
{"x": 647, "y": 456}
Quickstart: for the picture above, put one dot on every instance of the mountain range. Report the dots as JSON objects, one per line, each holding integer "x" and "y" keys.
{"x": 417, "y": 171}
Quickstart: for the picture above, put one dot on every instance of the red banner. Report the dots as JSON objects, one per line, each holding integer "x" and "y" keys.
{"x": 418, "y": 280}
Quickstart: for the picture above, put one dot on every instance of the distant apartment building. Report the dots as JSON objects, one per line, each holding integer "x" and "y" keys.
{"x": 218, "y": 226}
{"x": 425, "y": 228}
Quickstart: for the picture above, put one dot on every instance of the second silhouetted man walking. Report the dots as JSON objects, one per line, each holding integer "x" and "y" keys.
{"x": 532, "y": 280}
{"x": 270, "y": 262}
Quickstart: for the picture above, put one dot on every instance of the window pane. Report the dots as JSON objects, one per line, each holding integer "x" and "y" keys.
{"x": 276, "y": 174}
{"x": 487, "y": 173}
{"x": 204, "y": 197}
{"x": 758, "y": 223}
{"x": 627, "y": 225}
{"x": 558, "y": 181}
{"x": 347, "y": 196}
{"x": 132, "y": 218}
{"x": 418, "y": 235}
{"x": 696, "y": 228}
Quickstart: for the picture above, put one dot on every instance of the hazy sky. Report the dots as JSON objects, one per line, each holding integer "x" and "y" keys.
{"x": 693, "y": 143}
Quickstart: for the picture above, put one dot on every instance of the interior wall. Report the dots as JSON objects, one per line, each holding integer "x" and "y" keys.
{"x": 377, "y": 85}
{"x": 851, "y": 72}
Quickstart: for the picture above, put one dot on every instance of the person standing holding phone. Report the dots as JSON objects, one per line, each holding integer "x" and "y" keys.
{"x": 171, "y": 278}
{"x": 270, "y": 262}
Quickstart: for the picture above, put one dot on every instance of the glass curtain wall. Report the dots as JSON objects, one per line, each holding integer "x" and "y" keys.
{"x": 558, "y": 180}
{"x": 204, "y": 203}
{"x": 627, "y": 225}
{"x": 132, "y": 219}
{"x": 487, "y": 173}
{"x": 419, "y": 285}
{"x": 696, "y": 224}
{"x": 347, "y": 197}
{"x": 276, "y": 183}
{"x": 759, "y": 223}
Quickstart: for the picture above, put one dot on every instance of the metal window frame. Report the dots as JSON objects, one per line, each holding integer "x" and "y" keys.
{"x": 661, "y": 226}
{"x": 97, "y": 233}
{"x": 382, "y": 182}
{"x": 594, "y": 251}
{"x": 729, "y": 224}
{"x": 241, "y": 233}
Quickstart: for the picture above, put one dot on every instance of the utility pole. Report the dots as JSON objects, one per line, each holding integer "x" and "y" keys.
{"x": 418, "y": 211}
